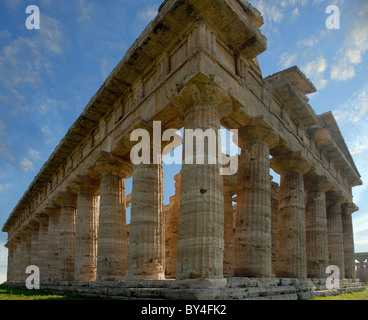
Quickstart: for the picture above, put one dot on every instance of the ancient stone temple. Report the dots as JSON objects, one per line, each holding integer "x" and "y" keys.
{"x": 194, "y": 67}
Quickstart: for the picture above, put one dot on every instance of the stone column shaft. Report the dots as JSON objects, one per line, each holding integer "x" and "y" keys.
{"x": 146, "y": 238}
{"x": 42, "y": 246}
{"x": 335, "y": 233}
{"x": 316, "y": 227}
{"x": 201, "y": 217}
{"x": 229, "y": 191}
{"x": 348, "y": 237}
{"x": 53, "y": 243}
{"x": 112, "y": 253}
{"x": 291, "y": 237}
{"x": 68, "y": 206}
{"x": 85, "y": 263}
{"x": 34, "y": 242}
{"x": 252, "y": 254}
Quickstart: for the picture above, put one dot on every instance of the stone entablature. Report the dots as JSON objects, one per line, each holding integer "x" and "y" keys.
{"x": 172, "y": 67}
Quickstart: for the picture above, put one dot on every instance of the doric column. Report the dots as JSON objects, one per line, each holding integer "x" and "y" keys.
{"x": 201, "y": 217}
{"x": 274, "y": 222}
{"x": 34, "y": 242}
{"x": 27, "y": 248}
{"x": 112, "y": 248}
{"x": 291, "y": 246}
{"x": 252, "y": 240}
{"x": 68, "y": 206}
{"x": 11, "y": 259}
{"x": 146, "y": 237}
{"x": 43, "y": 221}
{"x": 53, "y": 242}
{"x": 171, "y": 231}
{"x": 85, "y": 263}
{"x": 348, "y": 237}
{"x": 335, "y": 233}
{"x": 229, "y": 190}
{"x": 17, "y": 254}
{"x": 316, "y": 226}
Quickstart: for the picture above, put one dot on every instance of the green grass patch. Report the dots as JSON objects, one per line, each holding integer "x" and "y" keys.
{"x": 16, "y": 294}
{"x": 362, "y": 295}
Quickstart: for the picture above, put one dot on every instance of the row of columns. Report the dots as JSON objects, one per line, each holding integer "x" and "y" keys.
{"x": 83, "y": 240}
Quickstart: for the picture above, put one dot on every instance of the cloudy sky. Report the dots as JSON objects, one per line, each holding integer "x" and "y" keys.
{"x": 47, "y": 76}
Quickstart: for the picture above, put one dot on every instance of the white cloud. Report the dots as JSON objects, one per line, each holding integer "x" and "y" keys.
{"x": 148, "y": 14}
{"x": 354, "y": 110}
{"x": 27, "y": 165}
{"x": 309, "y": 42}
{"x": 34, "y": 154}
{"x": 342, "y": 71}
{"x": 288, "y": 60}
{"x": 315, "y": 70}
{"x": 5, "y": 187}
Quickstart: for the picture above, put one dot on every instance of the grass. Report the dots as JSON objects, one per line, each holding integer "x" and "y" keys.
{"x": 16, "y": 294}
{"x": 363, "y": 295}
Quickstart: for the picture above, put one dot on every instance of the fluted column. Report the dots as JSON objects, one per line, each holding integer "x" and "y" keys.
{"x": 112, "y": 252}
{"x": 68, "y": 206}
{"x": 11, "y": 259}
{"x": 252, "y": 253}
{"x": 201, "y": 217}
{"x": 348, "y": 237}
{"x": 17, "y": 255}
{"x": 85, "y": 263}
{"x": 291, "y": 237}
{"x": 335, "y": 232}
{"x": 43, "y": 221}
{"x": 274, "y": 223}
{"x": 316, "y": 226}
{"x": 53, "y": 242}
{"x": 27, "y": 247}
{"x": 229, "y": 191}
{"x": 171, "y": 231}
{"x": 146, "y": 237}
{"x": 34, "y": 242}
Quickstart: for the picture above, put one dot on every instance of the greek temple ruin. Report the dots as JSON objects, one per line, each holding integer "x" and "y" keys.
{"x": 240, "y": 236}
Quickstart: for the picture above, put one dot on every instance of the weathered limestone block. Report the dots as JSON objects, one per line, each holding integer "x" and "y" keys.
{"x": 230, "y": 187}
{"x": 147, "y": 239}
{"x": 316, "y": 226}
{"x": 43, "y": 221}
{"x": 85, "y": 264}
{"x": 291, "y": 237}
{"x": 335, "y": 232}
{"x": 201, "y": 217}
{"x": 11, "y": 253}
{"x": 68, "y": 206}
{"x": 112, "y": 252}
{"x": 348, "y": 237}
{"x": 53, "y": 242}
{"x": 252, "y": 251}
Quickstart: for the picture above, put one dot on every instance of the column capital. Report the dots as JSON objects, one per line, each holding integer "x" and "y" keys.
{"x": 33, "y": 224}
{"x": 349, "y": 208}
{"x": 108, "y": 163}
{"x": 42, "y": 219}
{"x": 315, "y": 183}
{"x": 85, "y": 184}
{"x": 51, "y": 210}
{"x": 257, "y": 130}
{"x": 290, "y": 162}
{"x": 202, "y": 94}
{"x": 335, "y": 197}
{"x": 65, "y": 199}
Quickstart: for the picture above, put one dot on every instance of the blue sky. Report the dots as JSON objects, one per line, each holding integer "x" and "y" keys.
{"x": 47, "y": 77}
